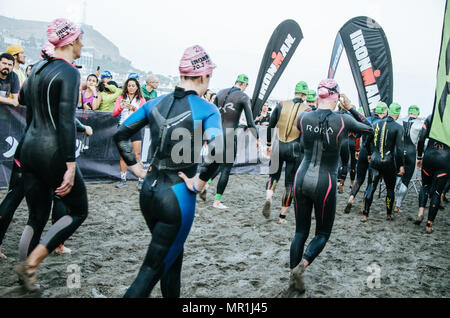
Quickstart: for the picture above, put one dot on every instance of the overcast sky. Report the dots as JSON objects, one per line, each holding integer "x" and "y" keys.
{"x": 154, "y": 34}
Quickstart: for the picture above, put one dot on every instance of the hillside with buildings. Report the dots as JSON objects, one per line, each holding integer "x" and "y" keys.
{"x": 97, "y": 50}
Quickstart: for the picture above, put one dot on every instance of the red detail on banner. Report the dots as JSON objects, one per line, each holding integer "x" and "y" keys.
{"x": 368, "y": 77}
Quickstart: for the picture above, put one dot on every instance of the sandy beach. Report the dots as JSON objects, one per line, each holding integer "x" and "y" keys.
{"x": 237, "y": 253}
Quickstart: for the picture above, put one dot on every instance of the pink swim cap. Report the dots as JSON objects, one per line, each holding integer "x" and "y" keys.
{"x": 328, "y": 90}
{"x": 195, "y": 62}
{"x": 48, "y": 49}
{"x": 61, "y": 32}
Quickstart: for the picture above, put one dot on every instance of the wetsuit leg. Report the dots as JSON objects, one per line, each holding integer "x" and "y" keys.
{"x": 361, "y": 171}
{"x": 303, "y": 208}
{"x": 389, "y": 177}
{"x": 11, "y": 202}
{"x": 372, "y": 184}
{"x": 77, "y": 206}
{"x": 58, "y": 209}
{"x": 324, "y": 211}
{"x": 427, "y": 181}
{"x": 39, "y": 200}
{"x": 345, "y": 154}
{"x": 169, "y": 216}
{"x": 410, "y": 163}
{"x": 353, "y": 161}
{"x": 171, "y": 281}
{"x": 272, "y": 182}
{"x": 439, "y": 183}
{"x": 292, "y": 163}
{"x": 225, "y": 172}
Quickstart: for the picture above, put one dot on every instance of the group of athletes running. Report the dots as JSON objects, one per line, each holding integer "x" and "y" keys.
{"x": 312, "y": 138}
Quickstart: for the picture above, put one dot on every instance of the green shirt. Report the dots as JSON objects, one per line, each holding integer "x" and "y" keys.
{"x": 148, "y": 96}
{"x": 108, "y": 100}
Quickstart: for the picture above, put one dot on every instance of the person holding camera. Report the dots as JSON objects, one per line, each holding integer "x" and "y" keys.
{"x": 90, "y": 97}
{"x": 125, "y": 105}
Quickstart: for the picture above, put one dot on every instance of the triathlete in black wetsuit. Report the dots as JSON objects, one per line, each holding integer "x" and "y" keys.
{"x": 352, "y": 137}
{"x": 176, "y": 121}
{"x": 284, "y": 117}
{"x": 386, "y": 151}
{"x": 322, "y": 132}
{"x": 344, "y": 156}
{"x": 231, "y": 102}
{"x": 363, "y": 161}
{"x": 16, "y": 193}
{"x": 435, "y": 173}
{"x": 48, "y": 151}
{"x": 411, "y": 129}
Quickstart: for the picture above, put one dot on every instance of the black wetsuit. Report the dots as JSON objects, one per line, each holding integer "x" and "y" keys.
{"x": 176, "y": 121}
{"x": 231, "y": 102}
{"x": 344, "y": 154}
{"x": 386, "y": 149}
{"x": 16, "y": 193}
{"x": 362, "y": 164}
{"x": 411, "y": 130}
{"x": 51, "y": 96}
{"x": 315, "y": 182}
{"x": 352, "y": 149}
{"x": 289, "y": 151}
{"x": 435, "y": 169}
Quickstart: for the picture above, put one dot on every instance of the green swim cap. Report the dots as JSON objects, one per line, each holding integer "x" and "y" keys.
{"x": 361, "y": 110}
{"x": 311, "y": 97}
{"x": 381, "y": 108}
{"x": 395, "y": 109}
{"x": 242, "y": 78}
{"x": 301, "y": 88}
{"x": 414, "y": 109}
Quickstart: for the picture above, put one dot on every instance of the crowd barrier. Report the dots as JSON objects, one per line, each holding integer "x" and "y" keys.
{"x": 98, "y": 157}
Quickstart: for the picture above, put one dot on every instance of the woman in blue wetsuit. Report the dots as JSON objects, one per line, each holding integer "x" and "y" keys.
{"x": 167, "y": 203}
{"x": 322, "y": 132}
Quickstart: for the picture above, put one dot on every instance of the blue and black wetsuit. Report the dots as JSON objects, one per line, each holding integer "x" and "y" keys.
{"x": 289, "y": 151}
{"x": 177, "y": 123}
{"x": 411, "y": 130}
{"x": 435, "y": 169}
{"x": 16, "y": 193}
{"x": 51, "y": 96}
{"x": 322, "y": 132}
{"x": 231, "y": 102}
{"x": 386, "y": 150}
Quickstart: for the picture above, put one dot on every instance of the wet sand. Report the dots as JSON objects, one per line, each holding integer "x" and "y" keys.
{"x": 237, "y": 253}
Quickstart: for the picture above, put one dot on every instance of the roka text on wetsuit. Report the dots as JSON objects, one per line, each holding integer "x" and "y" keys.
{"x": 51, "y": 95}
{"x": 284, "y": 117}
{"x": 386, "y": 150}
{"x": 322, "y": 132}
{"x": 435, "y": 169}
{"x": 411, "y": 131}
{"x": 166, "y": 203}
{"x": 231, "y": 102}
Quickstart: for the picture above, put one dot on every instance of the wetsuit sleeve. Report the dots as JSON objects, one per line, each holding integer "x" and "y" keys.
{"x": 359, "y": 124}
{"x": 249, "y": 117}
{"x": 214, "y": 137}
{"x": 80, "y": 126}
{"x": 132, "y": 125}
{"x": 423, "y": 135}
{"x": 273, "y": 122}
{"x": 69, "y": 84}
